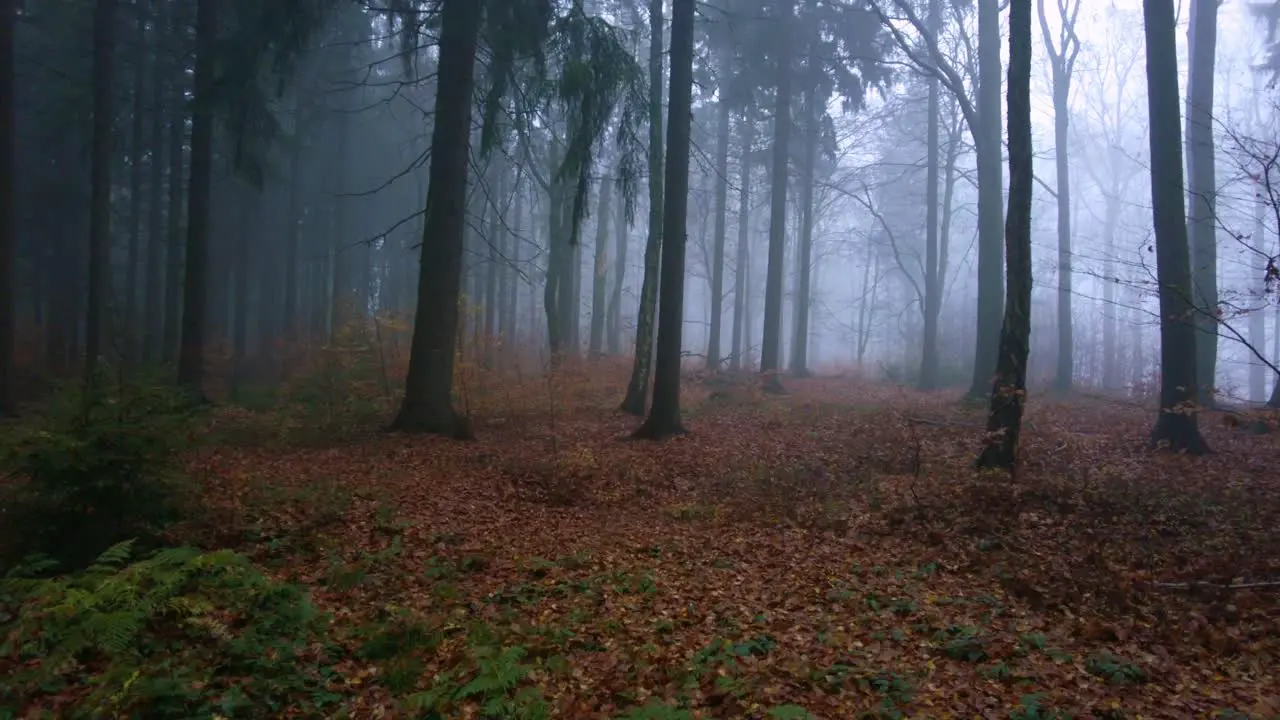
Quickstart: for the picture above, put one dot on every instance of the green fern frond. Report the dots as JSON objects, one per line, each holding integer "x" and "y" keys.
{"x": 117, "y": 554}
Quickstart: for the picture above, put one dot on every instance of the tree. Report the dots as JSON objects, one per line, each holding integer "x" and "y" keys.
{"x": 664, "y": 416}
{"x": 1009, "y": 389}
{"x": 1062, "y": 60}
{"x": 638, "y": 388}
{"x": 987, "y": 138}
{"x": 1201, "y": 192}
{"x": 1176, "y": 425}
{"x": 104, "y": 41}
{"x": 932, "y": 306}
{"x": 983, "y": 119}
{"x": 597, "y": 76}
{"x": 8, "y": 226}
{"x": 428, "y": 398}
{"x": 771, "y": 343}
{"x": 723, "y": 108}
{"x": 195, "y": 266}
{"x": 741, "y": 268}
{"x": 600, "y": 272}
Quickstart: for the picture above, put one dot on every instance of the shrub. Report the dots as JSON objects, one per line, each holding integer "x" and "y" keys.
{"x": 93, "y": 470}
{"x": 178, "y": 635}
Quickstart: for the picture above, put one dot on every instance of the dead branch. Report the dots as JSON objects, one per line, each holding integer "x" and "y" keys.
{"x": 1216, "y": 586}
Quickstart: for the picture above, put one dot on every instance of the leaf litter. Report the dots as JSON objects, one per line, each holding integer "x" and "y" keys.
{"x": 827, "y": 554}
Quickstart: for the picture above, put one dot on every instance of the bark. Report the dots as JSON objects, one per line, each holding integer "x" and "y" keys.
{"x": 600, "y": 276}
{"x": 1008, "y": 392}
{"x": 1258, "y": 319}
{"x": 344, "y": 309}
{"x": 721, "y": 212}
{"x": 664, "y": 416}
{"x": 1202, "y": 190}
{"x": 175, "y": 246}
{"x": 804, "y": 251}
{"x": 614, "y": 330}
{"x": 428, "y": 398}
{"x": 742, "y": 267}
{"x": 96, "y": 325}
{"x": 242, "y": 295}
{"x": 1176, "y": 425}
{"x": 502, "y": 274}
{"x": 137, "y": 127}
{"x": 1110, "y": 355}
{"x": 574, "y": 299}
{"x": 510, "y": 308}
{"x": 771, "y": 345}
{"x": 559, "y": 290}
{"x": 293, "y": 234}
{"x": 867, "y": 306}
{"x": 638, "y": 388}
{"x": 987, "y": 138}
{"x": 493, "y": 244}
{"x": 154, "y": 305}
{"x": 8, "y": 226}
{"x": 1274, "y": 400}
{"x": 1061, "y": 63}
{"x": 932, "y": 280}
{"x": 191, "y": 353}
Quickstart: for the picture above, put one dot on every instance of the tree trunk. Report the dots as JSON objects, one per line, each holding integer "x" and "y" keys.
{"x": 932, "y": 281}
{"x": 428, "y": 397}
{"x": 664, "y": 416}
{"x": 155, "y": 308}
{"x": 137, "y": 127}
{"x": 804, "y": 251}
{"x": 574, "y": 311}
{"x": 8, "y": 226}
{"x": 741, "y": 268}
{"x": 721, "y": 211}
{"x": 175, "y": 246}
{"x": 1202, "y": 191}
{"x": 502, "y": 273}
{"x": 242, "y": 295}
{"x": 1110, "y": 355}
{"x": 987, "y": 138}
{"x": 1258, "y": 317}
{"x": 510, "y": 308}
{"x": 344, "y": 309}
{"x": 1009, "y": 390}
{"x": 1176, "y": 425}
{"x": 1066, "y": 342}
{"x": 1274, "y": 400}
{"x": 600, "y": 277}
{"x": 293, "y": 234}
{"x": 191, "y": 354}
{"x": 621, "y": 234}
{"x": 636, "y": 398}
{"x": 96, "y": 326}
{"x": 771, "y": 345}
{"x": 866, "y": 306}
{"x": 493, "y": 245}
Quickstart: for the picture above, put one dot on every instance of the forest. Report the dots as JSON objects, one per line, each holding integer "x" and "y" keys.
{"x": 640, "y": 359}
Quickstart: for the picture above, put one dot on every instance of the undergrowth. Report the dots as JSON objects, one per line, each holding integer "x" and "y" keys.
{"x": 178, "y": 634}
{"x": 95, "y": 468}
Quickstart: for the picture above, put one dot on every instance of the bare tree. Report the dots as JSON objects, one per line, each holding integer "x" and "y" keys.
{"x": 1063, "y": 52}
{"x": 1009, "y": 390}
{"x": 1176, "y": 425}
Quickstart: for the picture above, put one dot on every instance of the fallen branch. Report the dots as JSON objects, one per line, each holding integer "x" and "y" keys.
{"x": 1217, "y": 586}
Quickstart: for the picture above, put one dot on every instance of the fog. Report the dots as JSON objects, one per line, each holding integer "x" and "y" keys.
{"x": 322, "y": 141}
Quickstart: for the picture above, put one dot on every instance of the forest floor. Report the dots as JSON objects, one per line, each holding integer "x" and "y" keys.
{"x": 829, "y": 553}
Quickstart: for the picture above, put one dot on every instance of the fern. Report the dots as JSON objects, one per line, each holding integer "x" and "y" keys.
{"x": 142, "y": 635}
